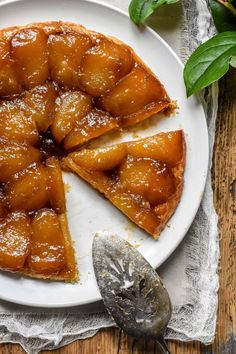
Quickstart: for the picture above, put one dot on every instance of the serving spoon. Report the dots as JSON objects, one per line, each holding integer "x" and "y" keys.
{"x": 131, "y": 289}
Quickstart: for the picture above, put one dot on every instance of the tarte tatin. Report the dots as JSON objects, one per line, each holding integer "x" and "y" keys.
{"x": 61, "y": 86}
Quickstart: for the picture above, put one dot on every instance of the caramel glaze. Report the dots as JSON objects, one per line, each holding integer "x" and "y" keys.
{"x": 49, "y": 147}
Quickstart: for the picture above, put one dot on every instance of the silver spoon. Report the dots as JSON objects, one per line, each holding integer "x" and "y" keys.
{"x": 131, "y": 289}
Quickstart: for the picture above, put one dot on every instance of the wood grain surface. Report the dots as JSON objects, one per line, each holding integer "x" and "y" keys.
{"x": 114, "y": 341}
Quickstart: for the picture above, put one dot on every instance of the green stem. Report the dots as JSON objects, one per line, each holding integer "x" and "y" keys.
{"x": 228, "y": 5}
{"x": 231, "y": 8}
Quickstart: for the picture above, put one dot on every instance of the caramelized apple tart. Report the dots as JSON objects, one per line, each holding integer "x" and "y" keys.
{"x": 61, "y": 86}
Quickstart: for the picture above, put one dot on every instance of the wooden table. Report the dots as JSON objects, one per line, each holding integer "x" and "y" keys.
{"x": 114, "y": 341}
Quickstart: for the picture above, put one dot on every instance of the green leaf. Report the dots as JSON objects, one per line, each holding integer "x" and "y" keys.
{"x": 233, "y": 62}
{"x": 224, "y": 20}
{"x": 209, "y": 62}
{"x": 139, "y": 10}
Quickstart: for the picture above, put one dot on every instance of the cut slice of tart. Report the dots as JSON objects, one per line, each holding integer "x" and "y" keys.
{"x": 143, "y": 178}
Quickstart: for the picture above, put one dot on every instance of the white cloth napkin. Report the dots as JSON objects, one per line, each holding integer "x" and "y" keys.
{"x": 190, "y": 274}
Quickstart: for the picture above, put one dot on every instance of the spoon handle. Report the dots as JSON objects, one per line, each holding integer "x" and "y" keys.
{"x": 163, "y": 346}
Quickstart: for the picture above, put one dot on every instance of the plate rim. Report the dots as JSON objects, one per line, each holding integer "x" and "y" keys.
{"x": 205, "y": 170}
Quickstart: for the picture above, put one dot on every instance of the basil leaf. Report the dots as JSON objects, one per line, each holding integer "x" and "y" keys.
{"x": 224, "y": 20}
{"x": 209, "y": 62}
{"x": 139, "y": 10}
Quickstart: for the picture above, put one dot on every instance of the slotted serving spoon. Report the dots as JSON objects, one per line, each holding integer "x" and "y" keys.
{"x": 131, "y": 289}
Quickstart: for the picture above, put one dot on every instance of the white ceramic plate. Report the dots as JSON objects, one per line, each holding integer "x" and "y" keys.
{"x": 89, "y": 212}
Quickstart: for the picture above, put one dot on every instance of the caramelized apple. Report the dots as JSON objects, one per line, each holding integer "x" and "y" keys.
{"x": 165, "y": 147}
{"x": 56, "y": 187}
{"x": 40, "y": 102}
{"x": 15, "y": 235}
{"x": 47, "y": 252}
{"x": 28, "y": 189}
{"x": 143, "y": 216}
{"x": 15, "y": 157}
{"x": 8, "y": 81}
{"x": 100, "y": 159}
{"x": 132, "y": 93}
{"x": 2, "y": 206}
{"x": 102, "y": 66}
{"x": 94, "y": 124}
{"x": 152, "y": 180}
{"x": 70, "y": 107}
{"x": 65, "y": 54}
{"x": 15, "y": 125}
{"x": 30, "y": 54}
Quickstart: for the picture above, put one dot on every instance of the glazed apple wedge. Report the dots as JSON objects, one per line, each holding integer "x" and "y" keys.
{"x": 15, "y": 124}
{"x": 29, "y": 52}
{"x": 8, "y": 82}
{"x": 102, "y": 66}
{"x": 40, "y": 105}
{"x": 65, "y": 54}
{"x": 15, "y": 238}
{"x": 47, "y": 253}
{"x": 14, "y": 157}
{"x": 71, "y": 107}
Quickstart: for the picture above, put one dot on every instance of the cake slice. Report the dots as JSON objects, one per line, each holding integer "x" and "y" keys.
{"x": 143, "y": 178}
